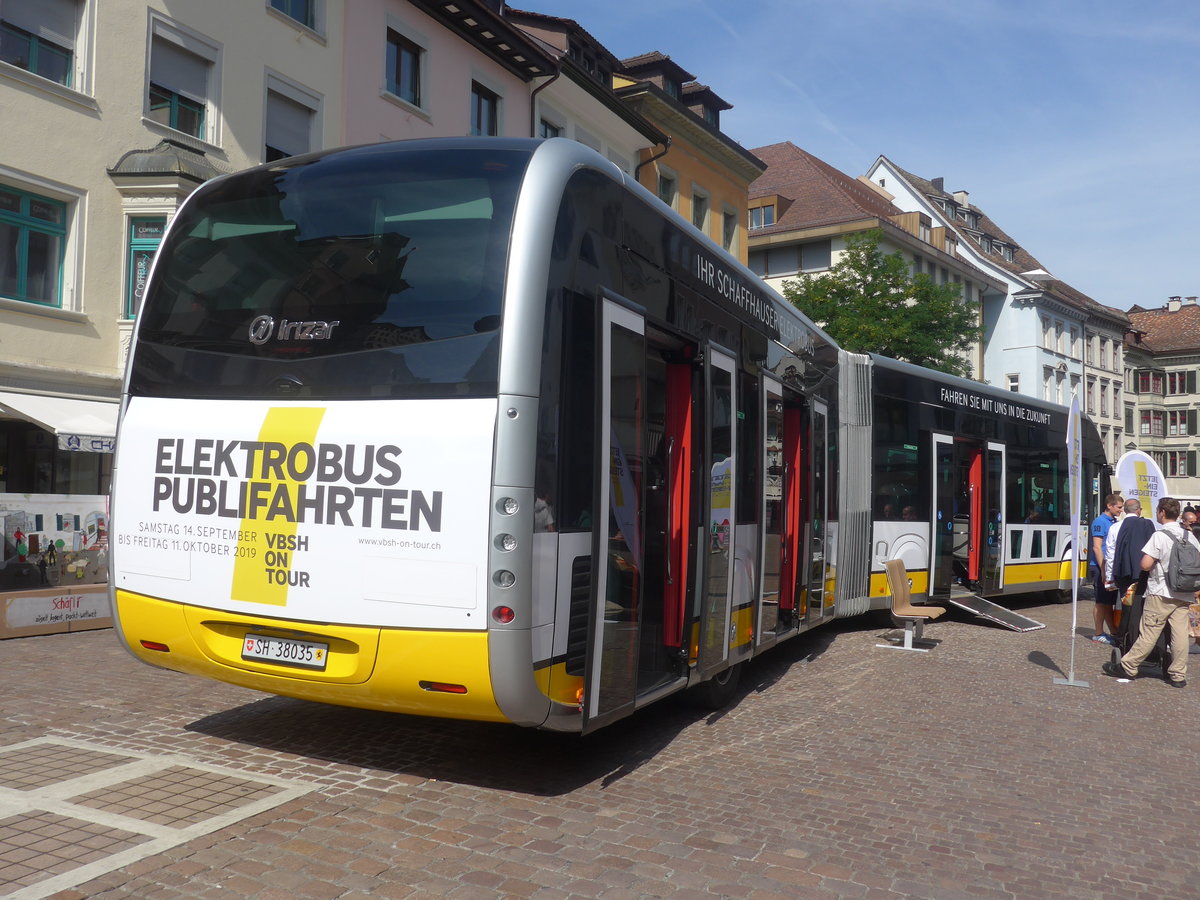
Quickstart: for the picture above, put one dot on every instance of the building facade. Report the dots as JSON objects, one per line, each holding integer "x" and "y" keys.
{"x": 1161, "y": 401}
{"x": 699, "y": 171}
{"x": 1041, "y": 336}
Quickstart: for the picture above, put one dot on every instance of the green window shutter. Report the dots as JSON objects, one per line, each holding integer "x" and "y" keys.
{"x": 1191, "y": 382}
{"x": 1191, "y": 463}
{"x": 1191, "y": 421}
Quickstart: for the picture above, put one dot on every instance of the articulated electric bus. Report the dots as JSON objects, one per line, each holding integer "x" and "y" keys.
{"x": 478, "y": 428}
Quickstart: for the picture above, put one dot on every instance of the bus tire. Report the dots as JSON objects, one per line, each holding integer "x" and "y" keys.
{"x": 718, "y": 691}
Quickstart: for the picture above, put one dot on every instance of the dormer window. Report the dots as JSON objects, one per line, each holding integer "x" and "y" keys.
{"x": 1008, "y": 253}
{"x": 672, "y": 88}
{"x": 762, "y": 216}
{"x": 711, "y": 117}
{"x": 985, "y": 243}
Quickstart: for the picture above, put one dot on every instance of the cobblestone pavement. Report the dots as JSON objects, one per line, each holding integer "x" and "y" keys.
{"x": 842, "y": 770}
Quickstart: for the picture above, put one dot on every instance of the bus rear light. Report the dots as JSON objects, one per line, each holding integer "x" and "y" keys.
{"x": 504, "y": 578}
{"x": 443, "y": 687}
{"x": 503, "y": 614}
{"x": 506, "y": 542}
{"x": 155, "y": 645}
{"x": 508, "y": 506}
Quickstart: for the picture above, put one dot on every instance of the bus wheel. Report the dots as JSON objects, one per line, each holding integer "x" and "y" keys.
{"x": 718, "y": 691}
{"x": 1058, "y": 595}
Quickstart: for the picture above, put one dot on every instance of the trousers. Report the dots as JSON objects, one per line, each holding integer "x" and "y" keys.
{"x": 1157, "y": 613}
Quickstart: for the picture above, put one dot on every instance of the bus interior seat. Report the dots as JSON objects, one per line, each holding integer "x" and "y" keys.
{"x": 904, "y": 615}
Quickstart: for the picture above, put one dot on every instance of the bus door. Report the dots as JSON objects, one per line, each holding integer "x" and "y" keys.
{"x": 640, "y": 535}
{"x": 956, "y": 551}
{"x": 994, "y": 515}
{"x": 780, "y": 513}
{"x": 719, "y": 506}
{"x": 820, "y": 573}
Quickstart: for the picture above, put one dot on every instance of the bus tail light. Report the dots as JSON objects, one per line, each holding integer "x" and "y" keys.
{"x": 503, "y": 614}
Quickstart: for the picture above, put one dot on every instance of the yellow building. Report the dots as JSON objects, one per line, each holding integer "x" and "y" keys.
{"x": 700, "y": 172}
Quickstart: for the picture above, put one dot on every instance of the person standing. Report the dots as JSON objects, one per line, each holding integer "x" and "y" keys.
{"x": 1123, "y": 549}
{"x": 1163, "y": 606}
{"x": 1106, "y": 598}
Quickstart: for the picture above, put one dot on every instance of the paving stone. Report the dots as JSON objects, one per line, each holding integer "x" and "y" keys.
{"x": 840, "y": 771}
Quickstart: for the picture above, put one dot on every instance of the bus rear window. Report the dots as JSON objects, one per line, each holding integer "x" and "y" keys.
{"x": 375, "y": 271}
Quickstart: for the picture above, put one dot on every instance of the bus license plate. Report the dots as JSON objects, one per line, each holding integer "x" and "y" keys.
{"x": 285, "y": 651}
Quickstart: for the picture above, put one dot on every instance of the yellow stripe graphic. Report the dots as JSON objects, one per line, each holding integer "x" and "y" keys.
{"x": 253, "y": 581}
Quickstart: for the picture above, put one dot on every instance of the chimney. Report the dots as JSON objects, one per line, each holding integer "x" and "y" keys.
{"x": 962, "y": 198}
{"x": 1173, "y": 304}
{"x": 937, "y": 184}
{"x": 1191, "y": 301}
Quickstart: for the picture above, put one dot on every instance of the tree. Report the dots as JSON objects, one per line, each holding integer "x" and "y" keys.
{"x": 869, "y": 303}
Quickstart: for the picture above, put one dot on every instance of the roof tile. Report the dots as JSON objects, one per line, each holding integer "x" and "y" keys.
{"x": 820, "y": 194}
{"x": 1164, "y": 331}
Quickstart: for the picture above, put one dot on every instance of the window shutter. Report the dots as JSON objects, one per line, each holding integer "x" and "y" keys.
{"x": 54, "y": 20}
{"x": 288, "y": 124}
{"x": 1191, "y": 382}
{"x": 179, "y": 70}
{"x": 1191, "y": 463}
{"x": 1191, "y": 421}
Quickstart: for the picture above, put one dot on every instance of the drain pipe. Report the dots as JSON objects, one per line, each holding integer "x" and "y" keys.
{"x": 637, "y": 170}
{"x": 533, "y": 97}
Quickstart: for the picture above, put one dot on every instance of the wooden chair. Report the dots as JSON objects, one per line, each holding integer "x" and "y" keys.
{"x": 904, "y": 614}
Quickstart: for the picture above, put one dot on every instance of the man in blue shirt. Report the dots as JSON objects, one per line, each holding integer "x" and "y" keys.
{"x": 1106, "y": 599}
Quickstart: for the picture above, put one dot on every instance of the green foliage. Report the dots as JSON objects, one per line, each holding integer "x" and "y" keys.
{"x": 869, "y": 303}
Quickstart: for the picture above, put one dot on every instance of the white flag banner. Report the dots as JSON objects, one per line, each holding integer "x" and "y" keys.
{"x": 1140, "y": 477}
{"x": 1074, "y": 484}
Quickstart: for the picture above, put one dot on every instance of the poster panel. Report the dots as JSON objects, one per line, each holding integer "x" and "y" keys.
{"x": 357, "y": 512}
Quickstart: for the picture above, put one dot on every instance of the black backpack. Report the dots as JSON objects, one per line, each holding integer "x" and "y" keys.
{"x": 1183, "y": 567}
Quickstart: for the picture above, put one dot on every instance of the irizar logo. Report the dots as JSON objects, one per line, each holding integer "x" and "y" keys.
{"x": 262, "y": 329}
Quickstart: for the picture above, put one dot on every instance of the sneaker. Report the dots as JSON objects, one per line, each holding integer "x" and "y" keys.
{"x": 1114, "y": 670}
{"x": 1180, "y": 683}
{"x": 1102, "y": 639}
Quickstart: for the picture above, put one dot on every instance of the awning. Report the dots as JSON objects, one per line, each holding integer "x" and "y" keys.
{"x": 87, "y": 425}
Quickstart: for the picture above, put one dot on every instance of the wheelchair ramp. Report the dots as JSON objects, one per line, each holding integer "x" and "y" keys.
{"x": 993, "y": 612}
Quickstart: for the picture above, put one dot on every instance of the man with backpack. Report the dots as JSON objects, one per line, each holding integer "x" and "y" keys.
{"x": 1172, "y": 559}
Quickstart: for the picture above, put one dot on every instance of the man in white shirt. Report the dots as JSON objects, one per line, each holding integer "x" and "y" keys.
{"x": 1163, "y": 606}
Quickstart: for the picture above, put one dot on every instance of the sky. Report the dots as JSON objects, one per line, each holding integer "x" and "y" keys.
{"x": 1072, "y": 124}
